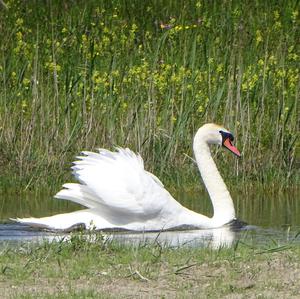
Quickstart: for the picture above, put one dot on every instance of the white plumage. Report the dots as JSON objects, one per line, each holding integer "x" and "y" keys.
{"x": 120, "y": 194}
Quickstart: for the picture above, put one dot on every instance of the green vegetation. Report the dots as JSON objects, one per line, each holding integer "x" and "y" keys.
{"x": 98, "y": 269}
{"x": 77, "y": 75}
{"x": 146, "y": 74}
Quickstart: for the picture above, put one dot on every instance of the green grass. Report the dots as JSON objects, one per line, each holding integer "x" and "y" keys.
{"x": 81, "y": 269}
{"x": 147, "y": 74}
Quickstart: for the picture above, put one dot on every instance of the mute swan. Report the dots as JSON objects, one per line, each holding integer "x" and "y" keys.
{"x": 120, "y": 194}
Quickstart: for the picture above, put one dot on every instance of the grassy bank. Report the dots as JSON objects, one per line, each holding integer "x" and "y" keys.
{"x": 86, "y": 74}
{"x": 79, "y": 269}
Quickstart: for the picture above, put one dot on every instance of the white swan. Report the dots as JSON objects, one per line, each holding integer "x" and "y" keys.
{"x": 120, "y": 194}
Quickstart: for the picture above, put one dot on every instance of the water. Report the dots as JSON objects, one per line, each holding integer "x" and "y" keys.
{"x": 271, "y": 218}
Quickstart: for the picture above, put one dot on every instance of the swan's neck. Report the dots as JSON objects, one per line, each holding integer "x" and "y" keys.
{"x": 221, "y": 200}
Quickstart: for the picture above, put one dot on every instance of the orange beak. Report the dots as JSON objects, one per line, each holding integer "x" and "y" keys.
{"x": 227, "y": 143}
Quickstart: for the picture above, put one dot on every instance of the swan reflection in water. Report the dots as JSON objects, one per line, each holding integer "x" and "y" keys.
{"x": 181, "y": 237}
{"x": 213, "y": 238}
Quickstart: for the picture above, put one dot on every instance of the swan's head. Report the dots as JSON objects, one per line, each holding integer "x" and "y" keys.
{"x": 215, "y": 134}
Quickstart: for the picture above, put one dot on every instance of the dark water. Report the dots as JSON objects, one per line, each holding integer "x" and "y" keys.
{"x": 272, "y": 217}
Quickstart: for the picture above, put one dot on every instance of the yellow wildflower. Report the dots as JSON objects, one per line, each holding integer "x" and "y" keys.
{"x": 295, "y": 14}
{"x": 220, "y": 68}
{"x": 19, "y": 22}
{"x": 260, "y": 62}
{"x": 24, "y": 106}
{"x": 259, "y": 37}
{"x": 19, "y": 35}
{"x": 198, "y": 4}
{"x": 276, "y": 15}
{"x": 210, "y": 60}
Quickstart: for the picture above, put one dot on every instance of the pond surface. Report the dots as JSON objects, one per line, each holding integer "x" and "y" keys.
{"x": 271, "y": 217}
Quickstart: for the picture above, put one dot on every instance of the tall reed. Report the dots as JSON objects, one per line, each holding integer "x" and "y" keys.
{"x": 87, "y": 74}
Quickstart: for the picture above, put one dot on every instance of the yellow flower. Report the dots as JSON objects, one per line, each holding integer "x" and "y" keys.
{"x": 295, "y": 14}
{"x": 53, "y": 66}
{"x": 293, "y": 56}
{"x": 115, "y": 73}
{"x": 277, "y": 25}
{"x": 260, "y": 62}
{"x": 220, "y": 68}
{"x": 24, "y": 106}
{"x": 276, "y": 15}
{"x": 19, "y": 35}
{"x": 259, "y": 37}
{"x": 200, "y": 109}
{"x": 26, "y": 81}
{"x": 178, "y": 28}
{"x": 19, "y": 22}
{"x": 84, "y": 38}
{"x": 281, "y": 73}
{"x": 210, "y": 60}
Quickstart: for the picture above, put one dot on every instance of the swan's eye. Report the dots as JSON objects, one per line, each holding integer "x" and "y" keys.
{"x": 226, "y": 135}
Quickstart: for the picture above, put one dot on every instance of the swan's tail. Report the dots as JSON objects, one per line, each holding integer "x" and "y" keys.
{"x": 77, "y": 193}
{"x": 84, "y": 219}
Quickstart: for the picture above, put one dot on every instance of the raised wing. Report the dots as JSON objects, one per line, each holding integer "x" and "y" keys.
{"x": 116, "y": 182}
